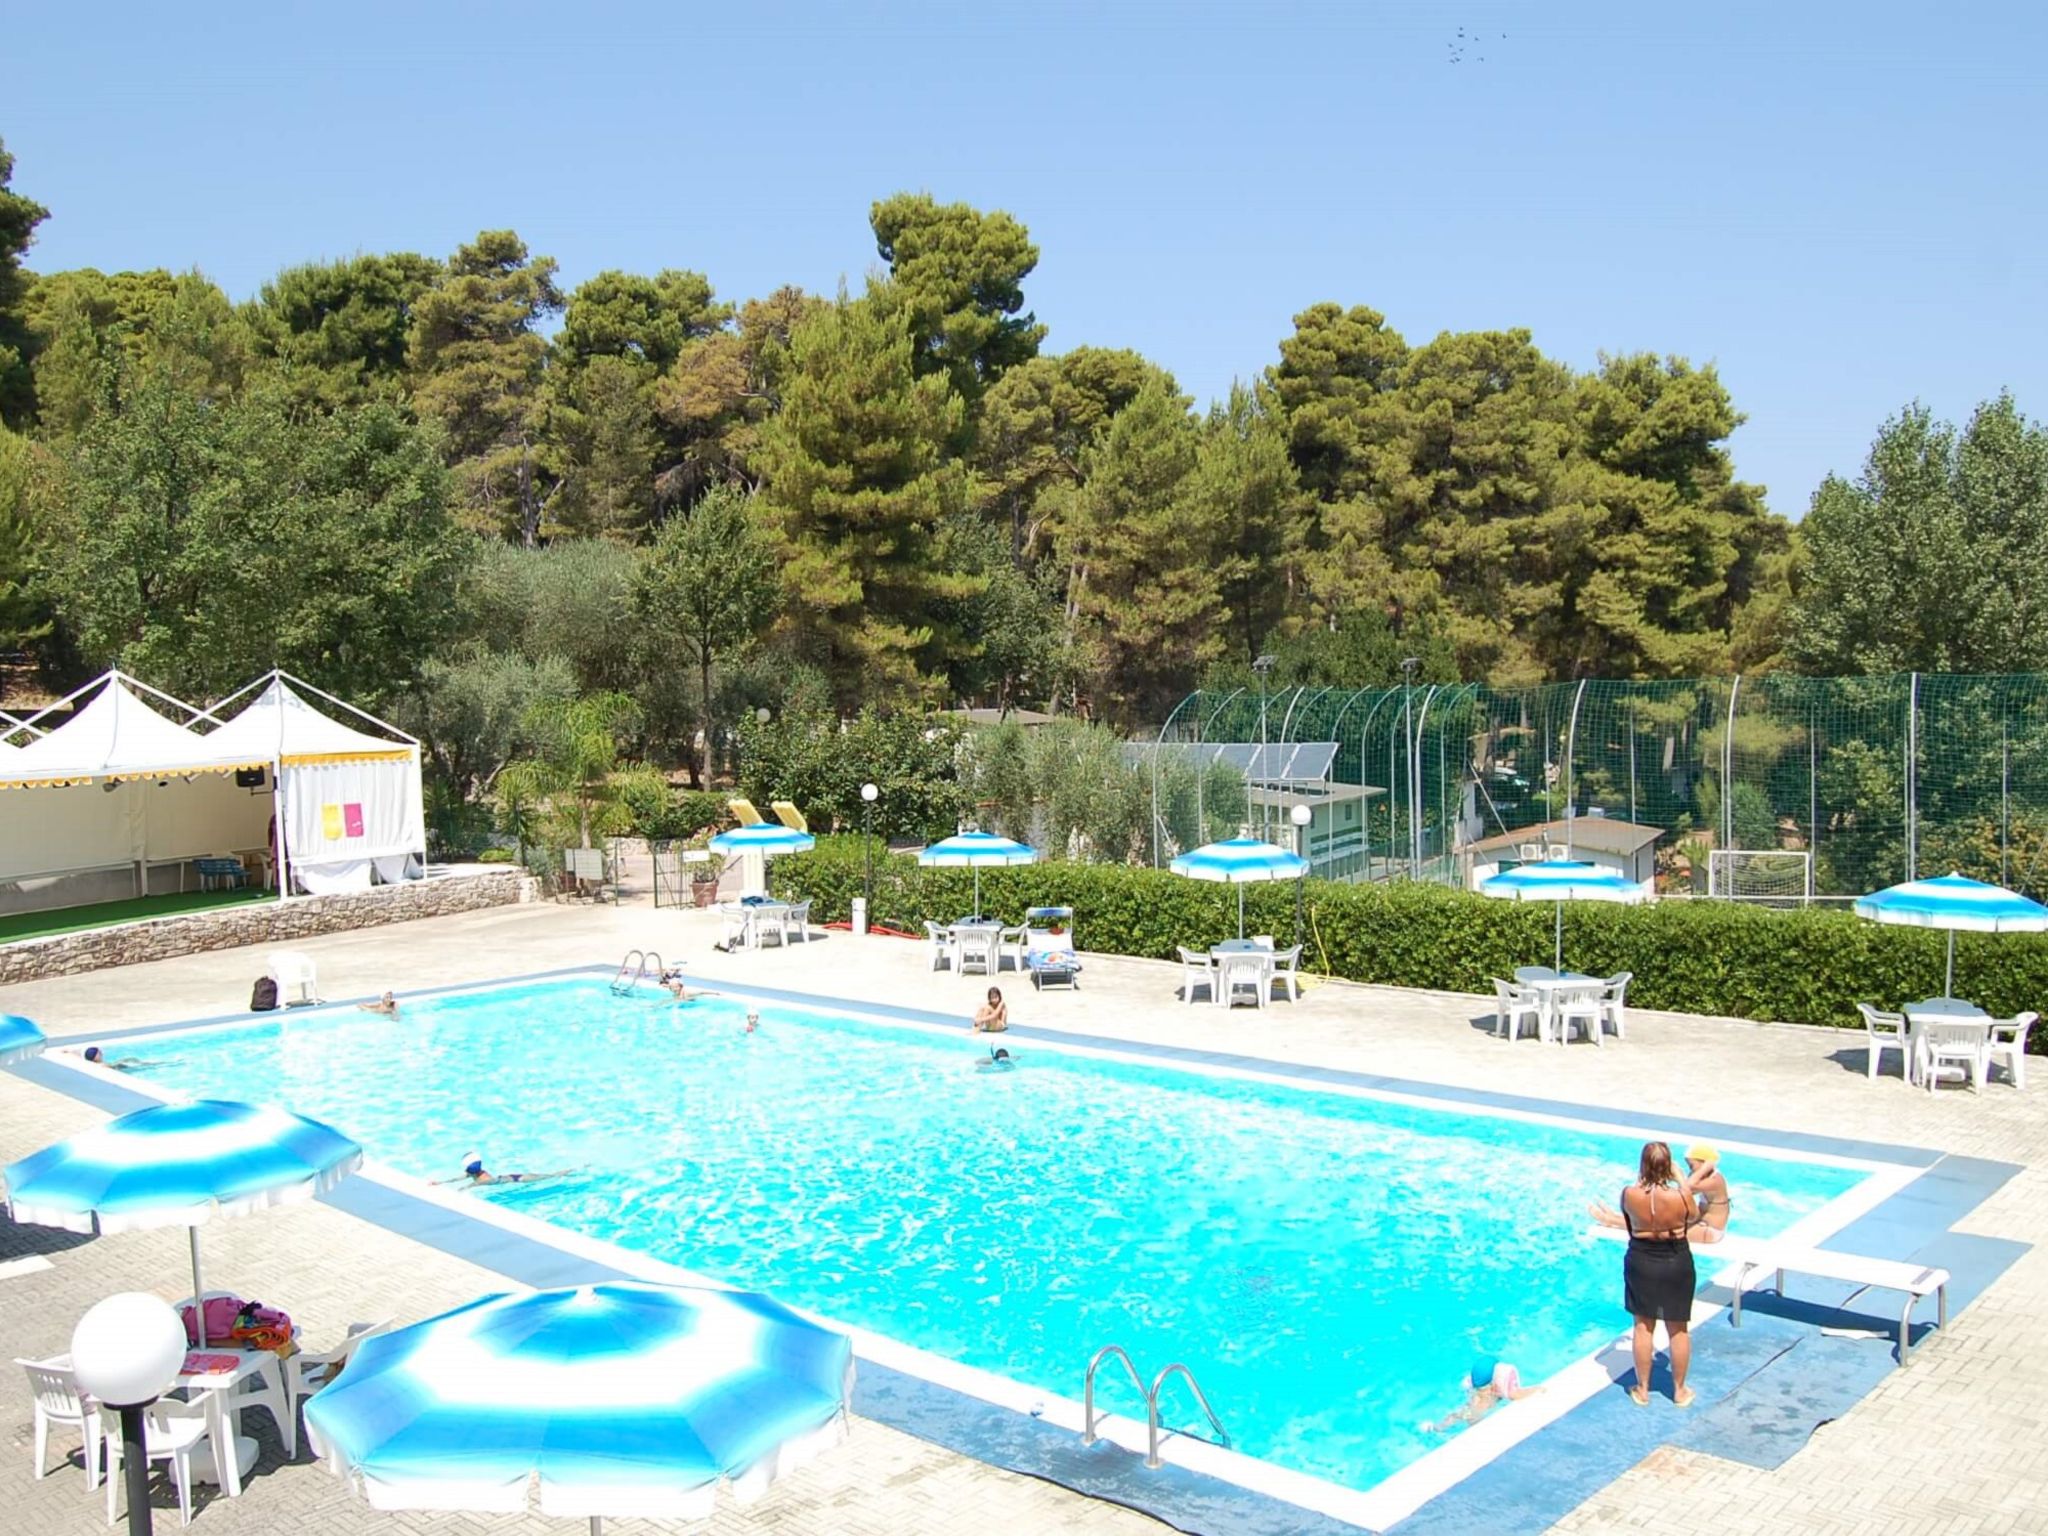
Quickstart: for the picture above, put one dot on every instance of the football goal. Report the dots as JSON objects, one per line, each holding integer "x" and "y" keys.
{"x": 1760, "y": 874}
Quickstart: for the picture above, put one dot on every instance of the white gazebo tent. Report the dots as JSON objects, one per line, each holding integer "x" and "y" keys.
{"x": 347, "y": 802}
{"x": 121, "y": 791}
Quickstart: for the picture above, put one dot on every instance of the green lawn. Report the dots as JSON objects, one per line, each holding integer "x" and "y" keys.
{"x": 40, "y": 925}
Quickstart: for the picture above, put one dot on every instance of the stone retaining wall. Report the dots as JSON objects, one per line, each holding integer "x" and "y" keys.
{"x": 261, "y": 923}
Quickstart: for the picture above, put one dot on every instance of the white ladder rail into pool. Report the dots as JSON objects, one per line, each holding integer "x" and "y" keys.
{"x": 633, "y": 970}
{"x": 1151, "y": 1396}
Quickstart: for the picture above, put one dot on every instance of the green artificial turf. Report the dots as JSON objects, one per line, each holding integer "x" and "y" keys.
{"x": 15, "y": 926}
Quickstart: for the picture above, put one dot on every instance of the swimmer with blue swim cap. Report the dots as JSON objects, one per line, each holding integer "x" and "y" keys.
{"x": 474, "y": 1173}
{"x": 1490, "y": 1382}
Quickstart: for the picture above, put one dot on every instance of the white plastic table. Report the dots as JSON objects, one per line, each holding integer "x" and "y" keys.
{"x": 216, "y": 1390}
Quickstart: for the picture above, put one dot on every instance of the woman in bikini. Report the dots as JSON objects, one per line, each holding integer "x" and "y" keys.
{"x": 1658, "y": 1279}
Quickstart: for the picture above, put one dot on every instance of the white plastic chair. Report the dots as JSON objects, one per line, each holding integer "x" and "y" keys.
{"x": 1237, "y": 973}
{"x": 308, "y": 1371}
{"x": 796, "y": 923}
{"x": 1885, "y": 1032}
{"x": 942, "y": 945}
{"x": 58, "y": 1404}
{"x": 1013, "y": 945}
{"x": 1513, "y": 1007}
{"x": 1955, "y": 1047}
{"x": 739, "y": 924}
{"x": 296, "y": 977}
{"x": 977, "y": 947}
{"x": 2007, "y": 1046}
{"x": 1287, "y": 968}
{"x": 172, "y": 1431}
{"x": 1197, "y": 970}
{"x": 1581, "y": 1005}
{"x": 1613, "y": 1000}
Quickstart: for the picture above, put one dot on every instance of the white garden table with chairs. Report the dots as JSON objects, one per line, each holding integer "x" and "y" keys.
{"x": 1950, "y": 1032}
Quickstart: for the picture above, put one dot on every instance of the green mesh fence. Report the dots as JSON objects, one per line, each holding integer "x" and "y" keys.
{"x": 1771, "y": 788}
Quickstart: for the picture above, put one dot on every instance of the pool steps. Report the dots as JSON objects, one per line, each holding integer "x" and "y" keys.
{"x": 633, "y": 970}
{"x": 1151, "y": 1396}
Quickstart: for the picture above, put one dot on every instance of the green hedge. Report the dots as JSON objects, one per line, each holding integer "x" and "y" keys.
{"x": 1810, "y": 965}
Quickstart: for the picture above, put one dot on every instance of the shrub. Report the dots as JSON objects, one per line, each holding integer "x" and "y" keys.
{"x": 1807, "y": 965}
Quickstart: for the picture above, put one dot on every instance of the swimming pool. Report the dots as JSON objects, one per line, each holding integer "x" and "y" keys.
{"x": 1326, "y": 1262}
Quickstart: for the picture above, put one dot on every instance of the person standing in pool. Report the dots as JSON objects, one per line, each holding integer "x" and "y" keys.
{"x": 1704, "y": 1183}
{"x": 1658, "y": 1279}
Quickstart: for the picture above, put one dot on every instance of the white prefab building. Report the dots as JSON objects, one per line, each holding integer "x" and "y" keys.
{"x": 121, "y": 800}
{"x": 1626, "y": 848}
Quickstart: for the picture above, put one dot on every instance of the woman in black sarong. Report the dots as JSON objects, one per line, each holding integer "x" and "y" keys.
{"x": 1657, "y": 1274}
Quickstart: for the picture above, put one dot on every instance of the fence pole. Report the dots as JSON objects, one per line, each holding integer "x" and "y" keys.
{"x": 1912, "y": 767}
{"x": 1728, "y": 768}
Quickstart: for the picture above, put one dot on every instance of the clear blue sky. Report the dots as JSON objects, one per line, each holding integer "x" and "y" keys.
{"x": 1842, "y": 205}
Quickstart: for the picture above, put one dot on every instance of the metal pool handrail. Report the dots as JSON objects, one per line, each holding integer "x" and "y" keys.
{"x": 1088, "y": 1419}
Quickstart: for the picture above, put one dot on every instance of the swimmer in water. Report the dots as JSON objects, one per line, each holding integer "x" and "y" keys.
{"x": 753, "y": 1021}
{"x": 474, "y": 1173}
{"x": 673, "y": 981}
{"x": 1488, "y": 1384}
{"x": 99, "y": 1058}
{"x": 386, "y": 1005}
{"x": 999, "y": 1060}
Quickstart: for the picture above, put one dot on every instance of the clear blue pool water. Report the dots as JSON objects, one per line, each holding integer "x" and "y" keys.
{"x": 1326, "y": 1264}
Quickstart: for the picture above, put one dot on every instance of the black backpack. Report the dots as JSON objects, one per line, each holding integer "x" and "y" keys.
{"x": 263, "y": 996}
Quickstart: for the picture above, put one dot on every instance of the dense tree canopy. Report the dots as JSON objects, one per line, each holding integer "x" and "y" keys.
{"x": 452, "y": 488}
{"x": 1935, "y": 559}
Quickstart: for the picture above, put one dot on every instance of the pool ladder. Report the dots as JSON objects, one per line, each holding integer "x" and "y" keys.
{"x": 1151, "y": 1396}
{"x": 633, "y": 970}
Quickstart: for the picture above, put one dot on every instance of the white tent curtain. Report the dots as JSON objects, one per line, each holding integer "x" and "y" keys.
{"x": 118, "y": 784}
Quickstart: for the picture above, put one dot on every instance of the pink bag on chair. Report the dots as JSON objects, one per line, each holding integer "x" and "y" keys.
{"x": 222, "y": 1312}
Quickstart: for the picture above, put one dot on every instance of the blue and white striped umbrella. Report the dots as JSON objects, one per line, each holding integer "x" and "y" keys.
{"x": 1957, "y": 903}
{"x": 19, "y": 1039}
{"x": 764, "y": 838}
{"x": 617, "y": 1399}
{"x": 1560, "y": 881}
{"x": 1240, "y": 861}
{"x": 176, "y": 1165}
{"x": 976, "y": 851}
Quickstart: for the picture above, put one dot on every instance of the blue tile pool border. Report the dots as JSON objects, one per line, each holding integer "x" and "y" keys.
{"x": 1524, "y": 1489}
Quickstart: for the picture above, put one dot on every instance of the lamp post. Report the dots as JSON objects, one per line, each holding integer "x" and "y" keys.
{"x": 869, "y": 794}
{"x": 1262, "y": 665}
{"x": 126, "y": 1352}
{"x": 1301, "y": 815}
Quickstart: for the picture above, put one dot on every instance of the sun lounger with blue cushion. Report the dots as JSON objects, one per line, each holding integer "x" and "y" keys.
{"x": 1049, "y": 947}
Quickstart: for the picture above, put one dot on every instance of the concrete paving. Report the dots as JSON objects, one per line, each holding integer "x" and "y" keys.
{"x": 1952, "y": 1444}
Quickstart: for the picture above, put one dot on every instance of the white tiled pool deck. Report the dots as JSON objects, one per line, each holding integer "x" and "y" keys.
{"x": 1958, "y": 1442}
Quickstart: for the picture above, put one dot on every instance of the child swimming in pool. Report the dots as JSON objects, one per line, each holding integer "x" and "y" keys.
{"x": 474, "y": 1173}
{"x": 1489, "y": 1383}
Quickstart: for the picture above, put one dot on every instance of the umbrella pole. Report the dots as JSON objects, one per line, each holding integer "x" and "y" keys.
{"x": 198, "y": 1288}
{"x": 1240, "y": 912}
{"x": 1948, "y": 988}
{"x": 1558, "y": 964}
{"x": 977, "y": 893}
{"x": 597, "y": 1525}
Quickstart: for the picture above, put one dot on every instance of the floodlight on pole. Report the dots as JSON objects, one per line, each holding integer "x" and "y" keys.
{"x": 126, "y": 1352}
{"x": 869, "y": 794}
{"x": 1301, "y": 816}
{"x": 1262, "y": 664}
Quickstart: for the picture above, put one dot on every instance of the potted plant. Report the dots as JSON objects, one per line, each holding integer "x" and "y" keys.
{"x": 704, "y": 872}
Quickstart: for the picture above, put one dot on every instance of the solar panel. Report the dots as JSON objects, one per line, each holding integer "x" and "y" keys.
{"x": 1286, "y": 762}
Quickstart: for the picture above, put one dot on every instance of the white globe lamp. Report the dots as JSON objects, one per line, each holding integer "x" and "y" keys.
{"x": 126, "y": 1352}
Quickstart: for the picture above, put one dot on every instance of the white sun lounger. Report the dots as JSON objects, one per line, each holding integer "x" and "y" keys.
{"x": 1750, "y": 1257}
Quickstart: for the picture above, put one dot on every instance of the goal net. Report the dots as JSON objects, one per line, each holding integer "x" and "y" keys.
{"x": 1760, "y": 874}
